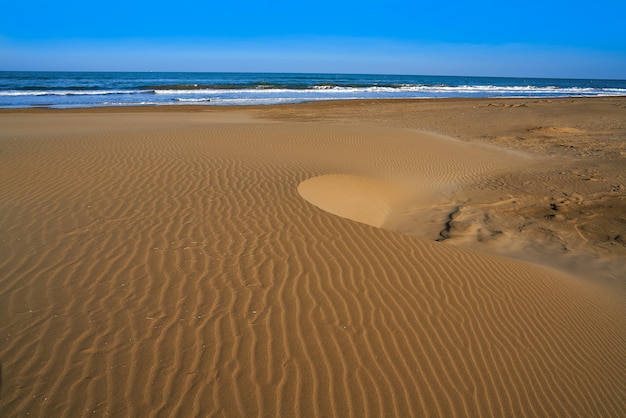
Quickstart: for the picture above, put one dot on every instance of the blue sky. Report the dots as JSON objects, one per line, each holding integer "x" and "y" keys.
{"x": 494, "y": 38}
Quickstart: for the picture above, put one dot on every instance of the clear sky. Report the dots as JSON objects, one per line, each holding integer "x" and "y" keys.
{"x": 532, "y": 38}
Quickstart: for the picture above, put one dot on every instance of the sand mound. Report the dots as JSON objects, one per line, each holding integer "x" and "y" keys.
{"x": 164, "y": 264}
{"x": 362, "y": 199}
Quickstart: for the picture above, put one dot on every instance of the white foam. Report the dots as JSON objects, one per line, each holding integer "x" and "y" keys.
{"x": 193, "y": 100}
{"x": 16, "y": 93}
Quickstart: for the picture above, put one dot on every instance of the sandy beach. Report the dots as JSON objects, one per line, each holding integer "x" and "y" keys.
{"x": 380, "y": 258}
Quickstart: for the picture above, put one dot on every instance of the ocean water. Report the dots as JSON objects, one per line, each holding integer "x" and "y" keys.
{"x": 96, "y": 89}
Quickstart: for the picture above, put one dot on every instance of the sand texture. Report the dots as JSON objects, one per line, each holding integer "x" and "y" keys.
{"x": 330, "y": 259}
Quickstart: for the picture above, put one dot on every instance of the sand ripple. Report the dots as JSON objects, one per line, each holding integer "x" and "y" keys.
{"x": 166, "y": 265}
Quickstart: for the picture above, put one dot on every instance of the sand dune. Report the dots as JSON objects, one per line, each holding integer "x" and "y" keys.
{"x": 563, "y": 207}
{"x": 188, "y": 263}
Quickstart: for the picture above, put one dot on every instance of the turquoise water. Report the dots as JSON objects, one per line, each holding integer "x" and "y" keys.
{"x": 96, "y": 89}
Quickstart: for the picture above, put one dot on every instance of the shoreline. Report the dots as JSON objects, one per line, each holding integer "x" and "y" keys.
{"x": 191, "y": 107}
{"x": 326, "y": 258}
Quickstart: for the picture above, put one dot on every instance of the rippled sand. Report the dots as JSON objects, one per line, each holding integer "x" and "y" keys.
{"x": 326, "y": 259}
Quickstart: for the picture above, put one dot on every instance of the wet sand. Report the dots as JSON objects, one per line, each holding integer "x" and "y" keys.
{"x": 366, "y": 258}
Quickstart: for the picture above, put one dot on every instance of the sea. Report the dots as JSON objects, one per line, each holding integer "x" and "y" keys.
{"x": 25, "y": 89}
